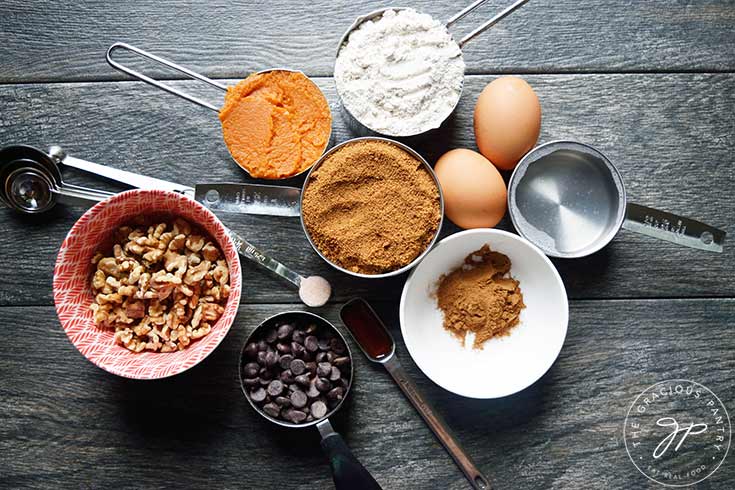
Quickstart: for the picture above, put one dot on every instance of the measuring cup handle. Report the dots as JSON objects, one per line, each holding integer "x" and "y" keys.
{"x": 156, "y": 83}
{"x": 673, "y": 228}
{"x": 348, "y": 473}
{"x": 486, "y": 25}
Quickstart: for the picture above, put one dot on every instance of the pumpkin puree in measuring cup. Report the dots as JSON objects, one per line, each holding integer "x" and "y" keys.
{"x": 276, "y": 124}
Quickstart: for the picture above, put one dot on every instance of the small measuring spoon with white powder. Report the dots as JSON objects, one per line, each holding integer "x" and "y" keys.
{"x": 400, "y": 72}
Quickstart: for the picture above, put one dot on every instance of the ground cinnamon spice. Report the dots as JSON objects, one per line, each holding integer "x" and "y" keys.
{"x": 480, "y": 297}
{"x": 371, "y": 207}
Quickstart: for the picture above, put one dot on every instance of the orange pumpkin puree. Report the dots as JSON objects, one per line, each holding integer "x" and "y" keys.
{"x": 275, "y": 124}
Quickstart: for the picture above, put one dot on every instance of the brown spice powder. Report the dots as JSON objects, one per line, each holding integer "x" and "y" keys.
{"x": 370, "y": 207}
{"x": 477, "y": 297}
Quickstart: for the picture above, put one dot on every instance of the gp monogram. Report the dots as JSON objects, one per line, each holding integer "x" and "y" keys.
{"x": 677, "y": 432}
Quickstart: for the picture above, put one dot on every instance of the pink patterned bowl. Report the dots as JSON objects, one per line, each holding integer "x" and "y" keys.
{"x": 73, "y": 291}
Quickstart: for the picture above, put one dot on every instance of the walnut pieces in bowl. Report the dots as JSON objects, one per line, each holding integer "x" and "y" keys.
{"x": 163, "y": 286}
{"x": 134, "y": 289}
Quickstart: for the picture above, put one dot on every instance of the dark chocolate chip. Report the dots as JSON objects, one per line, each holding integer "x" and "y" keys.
{"x": 323, "y": 344}
{"x": 334, "y": 375}
{"x": 303, "y": 380}
{"x": 322, "y": 384}
{"x": 298, "y": 366}
{"x": 251, "y": 382}
{"x": 262, "y": 345}
{"x": 336, "y": 394}
{"x": 283, "y": 348}
{"x": 271, "y": 335}
{"x": 284, "y": 331}
{"x": 257, "y": 395}
{"x": 285, "y": 361}
{"x": 275, "y": 387}
{"x": 283, "y": 401}
{"x": 309, "y": 418}
{"x": 318, "y": 409}
{"x": 311, "y": 343}
{"x": 297, "y": 349}
{"x": 298, "y": 399}
{"x": 312, "y": 392}
{"x": 308, "y": 356}
{"x": 272, "y": 409}
{"x": 320, "y": 357}
{"x": 251, "y": 350}
{"x": 297, "y": 416}
{"x": 251, "y": 370}
{"x": 264, "y": 382}
{"x": 261, "y": 357}
{"x": 298, "y": 336}
{"x": 337, "y": 346}
{"x": 271, "y": 359}
{"x": 331, "y": 356}
{"x": 323, "y": 369}
{"x": 341, "y": 361}
{"x": 287, "y": 376}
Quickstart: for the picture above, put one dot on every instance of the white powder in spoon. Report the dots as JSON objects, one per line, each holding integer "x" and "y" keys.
{"x": 315, "y": 291}
{"x": 400, "y": 74}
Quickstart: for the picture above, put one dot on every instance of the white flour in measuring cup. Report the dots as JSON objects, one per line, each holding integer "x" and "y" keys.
{"x": 400, "y": 74}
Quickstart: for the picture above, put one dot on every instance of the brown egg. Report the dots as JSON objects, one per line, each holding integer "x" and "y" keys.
{"x": 507, "y": 121}
{"x": 474, "y": 191}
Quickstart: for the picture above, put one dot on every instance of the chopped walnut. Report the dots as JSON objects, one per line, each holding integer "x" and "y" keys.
{"x": 163, "y": 286}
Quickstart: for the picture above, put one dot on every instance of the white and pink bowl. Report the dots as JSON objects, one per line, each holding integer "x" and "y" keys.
{"x": 73, "y": 292}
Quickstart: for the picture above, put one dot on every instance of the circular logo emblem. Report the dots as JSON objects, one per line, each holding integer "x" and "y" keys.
{"x": 677, "y": 432}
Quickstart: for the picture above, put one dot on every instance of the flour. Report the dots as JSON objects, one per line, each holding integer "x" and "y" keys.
{"x": 401, "y": 74}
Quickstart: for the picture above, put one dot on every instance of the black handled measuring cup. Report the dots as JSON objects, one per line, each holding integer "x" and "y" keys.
{"x": 348, "y": 473}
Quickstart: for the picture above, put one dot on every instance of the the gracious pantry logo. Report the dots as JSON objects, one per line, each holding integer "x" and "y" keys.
{"x": 677, "y": 432}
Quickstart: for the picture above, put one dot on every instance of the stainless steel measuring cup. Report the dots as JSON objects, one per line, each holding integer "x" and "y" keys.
{"x": 569, "y": 200}
{"x": 31, "y": 183}
{"x": 361, "y": 128}
{"x": 428, "y": 168}
{"x": 348, "y": 473}
{"x": 191, "y": 74}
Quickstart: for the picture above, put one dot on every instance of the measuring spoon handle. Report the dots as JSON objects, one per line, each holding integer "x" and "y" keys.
{"x": 673, "y": 228}
{"x": 75, "y": 195}
{"x": 248, "y": 251}
{"x": 123, "y": 176}
{"x": 437, "y": 425}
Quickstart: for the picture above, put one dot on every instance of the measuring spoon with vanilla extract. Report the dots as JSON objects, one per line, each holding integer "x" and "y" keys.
{"x": 378, "y": 345}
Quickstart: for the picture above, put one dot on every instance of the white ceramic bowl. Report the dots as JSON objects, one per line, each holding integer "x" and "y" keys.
{"x": 505, "y": 365}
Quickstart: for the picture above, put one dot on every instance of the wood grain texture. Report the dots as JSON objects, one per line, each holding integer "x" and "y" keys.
{"x": 68, "y": 423}
{"x": 55, "y": 41}
{"x": 672, "y": 136}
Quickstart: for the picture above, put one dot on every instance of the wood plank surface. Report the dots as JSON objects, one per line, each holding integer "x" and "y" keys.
{"x": 68, "y": 423}
{"x": 54, "y": 41}
{"x": 672, "y": 136}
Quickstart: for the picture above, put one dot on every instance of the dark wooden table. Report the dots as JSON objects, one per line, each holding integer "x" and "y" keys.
{"x": 649, "y": 83}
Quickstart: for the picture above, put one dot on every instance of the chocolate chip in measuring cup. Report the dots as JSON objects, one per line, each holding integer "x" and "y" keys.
{"x": 284, "y": 331}
{"x": 296, "y": 376}
{"x": 311, "y": 343}
{"x": 298, "y": 399}
{"x": 251, "y": 370}
{"x": 298, "y": 366}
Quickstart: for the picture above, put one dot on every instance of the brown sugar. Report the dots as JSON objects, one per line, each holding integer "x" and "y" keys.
{"x": 480, "y": 297}
{"x": 371, "y": 207}
{"x": 276, "y": 124}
